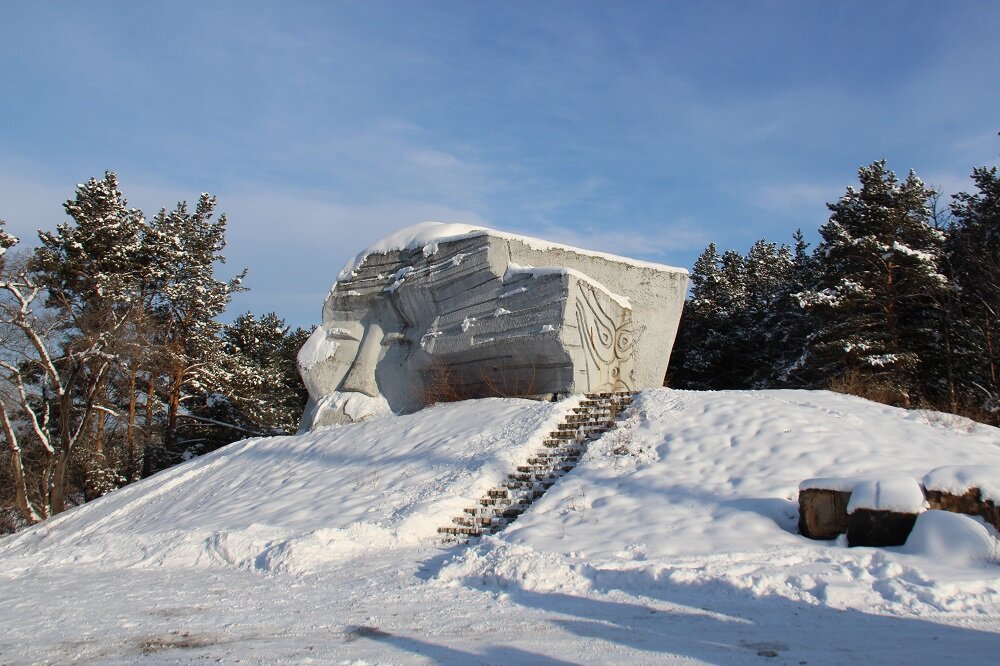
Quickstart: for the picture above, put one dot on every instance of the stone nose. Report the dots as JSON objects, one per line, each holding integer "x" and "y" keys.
{"x": 361, "y": 377}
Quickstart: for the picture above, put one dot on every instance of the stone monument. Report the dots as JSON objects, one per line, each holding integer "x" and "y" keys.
{"x": 446, "y": 311}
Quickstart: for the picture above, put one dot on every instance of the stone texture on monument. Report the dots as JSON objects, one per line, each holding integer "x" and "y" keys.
{"x": 490, "y": 313}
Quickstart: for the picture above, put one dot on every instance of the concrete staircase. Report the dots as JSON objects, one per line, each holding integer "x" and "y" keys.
{"x": 596, "y": 414}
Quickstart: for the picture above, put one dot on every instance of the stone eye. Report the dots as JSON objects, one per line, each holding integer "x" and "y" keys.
{"x": 341, "y": 334}
{"x": 394, "y": 339}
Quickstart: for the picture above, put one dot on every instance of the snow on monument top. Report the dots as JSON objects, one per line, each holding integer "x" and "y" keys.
{"x": 427, "y": 235}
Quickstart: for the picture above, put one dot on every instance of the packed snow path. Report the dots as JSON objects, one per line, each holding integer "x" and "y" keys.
{"x": 596, "y": 414}
{"x": 673, "y": 541}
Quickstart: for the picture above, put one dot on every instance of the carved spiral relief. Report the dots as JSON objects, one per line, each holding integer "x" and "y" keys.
{"x": 609, "y": 345}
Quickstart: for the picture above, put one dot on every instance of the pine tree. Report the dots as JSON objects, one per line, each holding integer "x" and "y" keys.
{"x": 789, "y": 326}
{"x": 263, "y": 393}
{"x": 974, "y": 260}
{"x": 89, "y": 265}
{"x": 735, "y": 330}
{"x": 695, "y": 353}
{"x": 109, "y": 336}
{"x": 91, "y": 276}
{"x": 184, "y": 249}
{"x": 877, "y": 281}
{"x": 768, "y": 268}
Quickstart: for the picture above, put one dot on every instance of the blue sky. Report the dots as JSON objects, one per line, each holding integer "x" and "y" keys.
{"x": 640, "y": 128}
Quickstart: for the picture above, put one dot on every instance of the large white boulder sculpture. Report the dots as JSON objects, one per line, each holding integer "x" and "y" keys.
{"x": 450, "y": 311}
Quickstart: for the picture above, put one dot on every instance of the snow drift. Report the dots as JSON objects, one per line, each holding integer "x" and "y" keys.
{"x": 693, "y": 492}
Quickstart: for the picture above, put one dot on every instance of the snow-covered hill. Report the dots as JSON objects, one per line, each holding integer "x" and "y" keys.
{"x": 673, "y": 539}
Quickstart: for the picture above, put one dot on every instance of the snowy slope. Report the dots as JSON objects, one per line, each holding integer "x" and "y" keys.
{"x": 673, "y": 540}
{"x": 294, "y": 503}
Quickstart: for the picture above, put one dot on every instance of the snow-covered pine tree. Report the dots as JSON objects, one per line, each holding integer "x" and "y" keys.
{"x": 7, "y": 241}
{"x": 92, "y": 278}
{"x": 974, "y": 261}
{"x": 263, "y": 393}
{"x": 787, "y": 324}
{"x": 185, "y": 248}
{"x": 731, "y": 333}
{"x": 90, "y": 265}
{"x": 769, "y": 268}
{"x": 58, "y": 359}
{"x": 695, "y": 354}
{"x": 272, "y": 396}
{"x": 877, "y": 280}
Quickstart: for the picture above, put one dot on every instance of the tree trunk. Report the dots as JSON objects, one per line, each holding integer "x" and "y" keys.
{"x": 147, "y": 461}
{"x": 21, "y": 500}
{"x": 174, "y": 404}
{"x": 57, "y": 488}
{"x": 130, "y": 423}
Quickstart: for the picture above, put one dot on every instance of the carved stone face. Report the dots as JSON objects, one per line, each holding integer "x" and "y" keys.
{"x": 465, "y": 318}
{"x": 361, "y": 342}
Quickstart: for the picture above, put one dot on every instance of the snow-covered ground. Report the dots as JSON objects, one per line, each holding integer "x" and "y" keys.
{"x": 673, "y": 540}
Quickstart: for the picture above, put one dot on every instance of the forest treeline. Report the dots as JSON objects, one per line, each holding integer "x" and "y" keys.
{"x": 112, "y": 362}
{"x": 899, "y": 302}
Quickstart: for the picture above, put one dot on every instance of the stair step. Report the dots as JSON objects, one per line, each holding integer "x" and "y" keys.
{"x": 558, "y": 452}
{"x": 480, "y": 522}
{"x": 539, "y": 477}
{"x": 554, "y": 444}
{"x": 518, "y": 485}
{"x": 467, "y": 531}
{"x": 528, "y": 486}
{"x": 548, "y": 465}
{"x": 604, "y": 399}
{"x": 472, "y": 522}
{"x": 563, "y": 448}
{"x": 540, "y": 459}
{"x": 570, "y": 436}
{"x": 497, "y": 510}
{"x": 494, "y": 501}
{"x": 571, "y": 427}
{"x": 561, "y": 434}
{"x": 587, "y": 418}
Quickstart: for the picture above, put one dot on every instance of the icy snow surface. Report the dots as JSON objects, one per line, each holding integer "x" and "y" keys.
{"x": 672, "y": 541}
